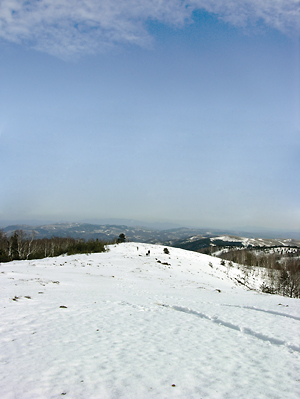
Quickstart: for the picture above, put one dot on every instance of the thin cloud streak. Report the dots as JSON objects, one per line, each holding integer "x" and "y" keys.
{"x": 69, "y": 27}
{"x": 283, "y": 15}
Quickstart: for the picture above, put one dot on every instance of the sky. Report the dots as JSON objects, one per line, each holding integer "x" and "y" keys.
{"x": 157, "y": 110}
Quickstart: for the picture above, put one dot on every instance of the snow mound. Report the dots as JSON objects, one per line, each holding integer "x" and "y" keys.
{"x": 124, "y": 324}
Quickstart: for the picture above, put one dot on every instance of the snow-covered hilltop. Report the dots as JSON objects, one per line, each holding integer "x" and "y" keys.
{"x": 123, "y": 324}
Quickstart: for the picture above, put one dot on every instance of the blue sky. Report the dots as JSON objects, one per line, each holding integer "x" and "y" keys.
{"x": 178, "y": 111}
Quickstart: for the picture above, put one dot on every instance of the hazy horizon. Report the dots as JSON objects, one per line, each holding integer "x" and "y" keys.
{"x": 184, "y": 112}
{"x": 238, "y": 230}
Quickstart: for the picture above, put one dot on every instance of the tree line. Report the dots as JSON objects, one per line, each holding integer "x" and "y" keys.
{"x": 282, "y": 268}
{"x": 20, "y": 246}
{"x": 262, "y": 257}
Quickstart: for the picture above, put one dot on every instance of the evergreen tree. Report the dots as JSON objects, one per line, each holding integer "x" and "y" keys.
{"x": 121, "y": 238}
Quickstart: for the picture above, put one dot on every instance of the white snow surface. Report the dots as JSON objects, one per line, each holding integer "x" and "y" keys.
{"x": 135, "y": 328}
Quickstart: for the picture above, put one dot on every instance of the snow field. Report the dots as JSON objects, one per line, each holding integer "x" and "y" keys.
{"x": 133, "y": 327}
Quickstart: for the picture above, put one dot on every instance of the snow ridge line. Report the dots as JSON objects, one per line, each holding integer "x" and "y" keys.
{"x": 244, "y": 330}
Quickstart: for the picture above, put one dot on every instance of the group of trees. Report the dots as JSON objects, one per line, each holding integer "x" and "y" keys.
{"x": 270, "y": 258}
{"x": 20, "y": 246}
{"x": 282, "y": 274}
{"x": 284, "y": 280}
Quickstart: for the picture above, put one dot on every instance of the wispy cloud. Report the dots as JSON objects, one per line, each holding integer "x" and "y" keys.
{"x": 63, "y": 27}
{"x": 66, "y": 27}
{"x": 283, "y": 15}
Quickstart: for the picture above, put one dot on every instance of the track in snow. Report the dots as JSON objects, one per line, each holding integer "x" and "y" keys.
{"x": 244, "y": 330}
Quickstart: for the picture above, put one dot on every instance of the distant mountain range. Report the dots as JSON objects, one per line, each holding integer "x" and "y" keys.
{"x": 104, "y": 232}
{"x": 186, "y": 238}
{"x": 198, "y": 243}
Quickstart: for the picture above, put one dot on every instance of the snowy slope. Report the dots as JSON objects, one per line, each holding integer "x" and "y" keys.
{"x": 137, "y": 326}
